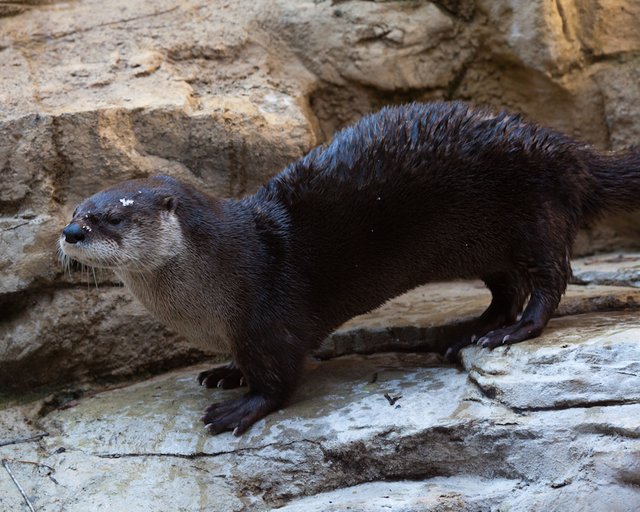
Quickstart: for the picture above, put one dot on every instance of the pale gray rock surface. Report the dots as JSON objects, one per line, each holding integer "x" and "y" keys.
{"x": 617, "y": 269}
{"x": 602, "y": 350}
{"x": 340, "y": 441}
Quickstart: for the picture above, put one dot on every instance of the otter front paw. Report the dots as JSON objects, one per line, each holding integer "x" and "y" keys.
{"x": 237, "y": 414}
{"x": 225, "y": 377}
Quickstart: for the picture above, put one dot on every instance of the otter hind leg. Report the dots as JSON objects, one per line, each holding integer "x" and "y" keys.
{"x": 227, "y": 376}
{"x": 509, "y": 291}
{"x": 549, "y": 279}
{"x": 533, "y": 321}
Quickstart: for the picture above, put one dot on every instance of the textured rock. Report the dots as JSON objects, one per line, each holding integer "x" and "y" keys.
{"x": 619, "y": 86}
{"x": 599, "y": 356}
{"x": 352, "y": 42}
{"x": 85, "y": 334}
{"x": 433, "y": 316}
{"x": 538, "y": 35}
{"x": 341, "y": 443}
{"x": 26, "y": 245}
{"x": 607, "y": 28}
{"x": 87, "y": 105}
{"x": 618, "y": 269}
{"x": 438, "y": 493}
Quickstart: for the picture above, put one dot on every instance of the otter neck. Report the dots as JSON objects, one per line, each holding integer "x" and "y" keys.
{"x": 200, "y": 291}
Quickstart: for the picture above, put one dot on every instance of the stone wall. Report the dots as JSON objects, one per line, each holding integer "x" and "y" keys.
{"x": 224, "y": 94}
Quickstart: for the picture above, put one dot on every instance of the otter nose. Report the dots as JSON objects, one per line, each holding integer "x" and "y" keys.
{"x": 73, "y": 233}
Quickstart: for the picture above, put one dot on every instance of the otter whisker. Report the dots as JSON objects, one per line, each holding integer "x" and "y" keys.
{"x": 64, "y": 260}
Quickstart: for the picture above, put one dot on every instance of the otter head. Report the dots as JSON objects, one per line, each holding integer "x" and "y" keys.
{"x": 130, "y": 227}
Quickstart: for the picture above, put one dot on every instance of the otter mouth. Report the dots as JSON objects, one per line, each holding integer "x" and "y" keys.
{"x": 82, "y": 252}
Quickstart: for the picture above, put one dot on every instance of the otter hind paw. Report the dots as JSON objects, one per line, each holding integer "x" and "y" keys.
{"x": 520, "y": 331}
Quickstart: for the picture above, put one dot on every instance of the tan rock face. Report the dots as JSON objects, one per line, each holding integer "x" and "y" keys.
{"x": 225, "y": 94}
{"x": 84, "y": 334}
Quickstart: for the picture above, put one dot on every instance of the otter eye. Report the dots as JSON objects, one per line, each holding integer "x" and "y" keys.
{"x": 114, "y": 221}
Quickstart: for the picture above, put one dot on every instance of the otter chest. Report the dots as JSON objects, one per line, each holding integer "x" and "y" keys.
{"x": 183, "y": 307}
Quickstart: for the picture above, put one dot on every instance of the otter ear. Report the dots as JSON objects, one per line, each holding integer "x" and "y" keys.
{"x": 170, "y": 203}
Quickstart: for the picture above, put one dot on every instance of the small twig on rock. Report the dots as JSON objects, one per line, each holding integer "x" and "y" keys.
{"x": 24, "y": 439}
{"x": 5, "y": 463}
{"x": 392, "y": 399}
{"x": 16, "y": 226}
{"x": 39, "y": 464}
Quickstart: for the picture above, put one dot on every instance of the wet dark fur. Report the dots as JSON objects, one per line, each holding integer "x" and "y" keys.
{"x": 405, "y": 196}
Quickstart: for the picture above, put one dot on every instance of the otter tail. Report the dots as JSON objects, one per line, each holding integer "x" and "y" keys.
{"x": 617, "y": 182}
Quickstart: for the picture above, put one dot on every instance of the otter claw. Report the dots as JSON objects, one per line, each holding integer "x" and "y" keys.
{"x": 225, "y": 377}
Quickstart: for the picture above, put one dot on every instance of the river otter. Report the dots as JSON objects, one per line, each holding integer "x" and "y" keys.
{"x": 411, "y": 194}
